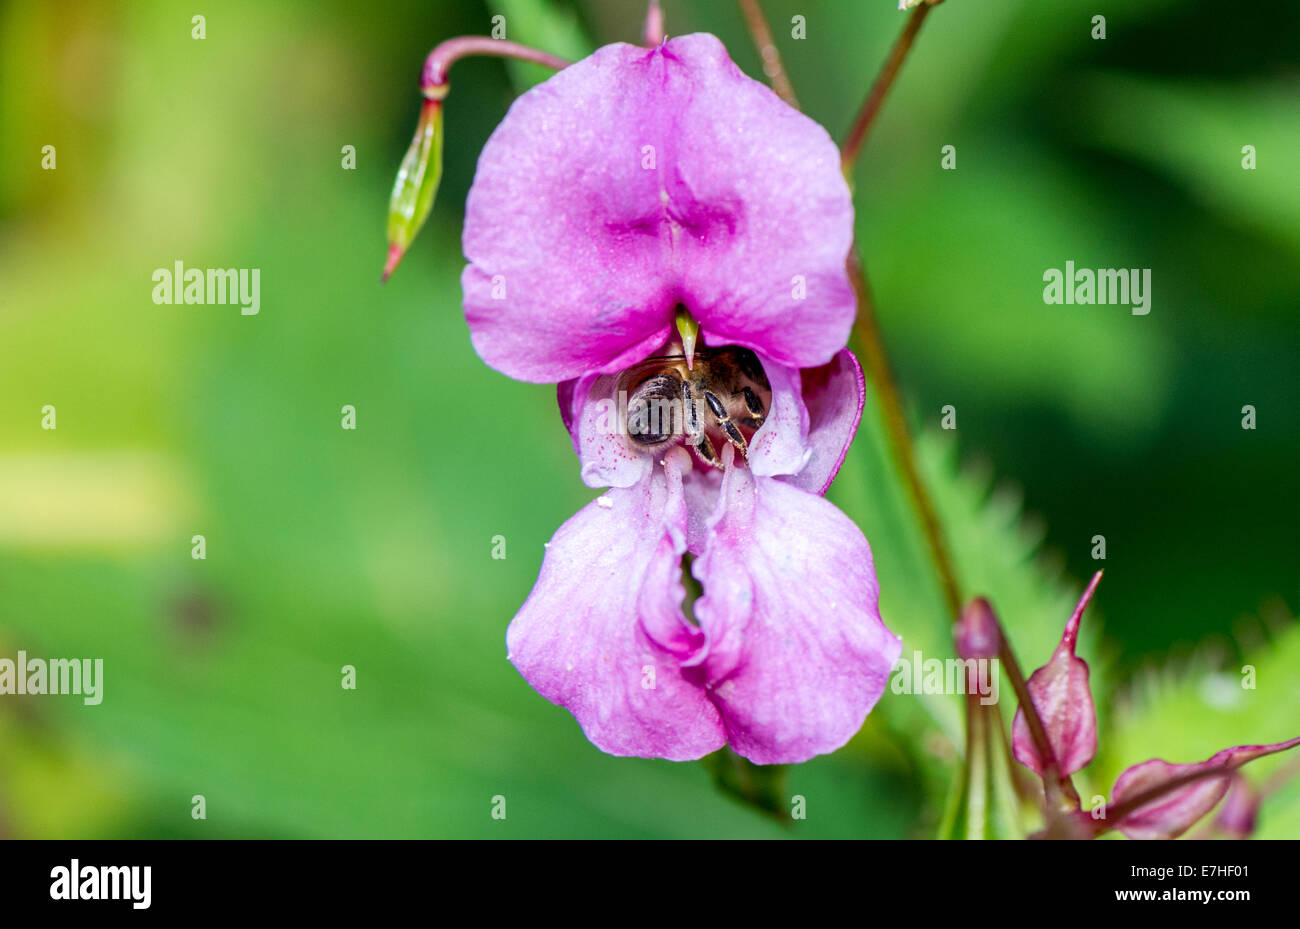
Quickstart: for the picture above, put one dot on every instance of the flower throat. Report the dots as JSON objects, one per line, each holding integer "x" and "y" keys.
{"x": 719, "y": 395}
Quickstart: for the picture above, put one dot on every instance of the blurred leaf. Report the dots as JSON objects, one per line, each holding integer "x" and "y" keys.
{"x": 983, "y": 803}
{"x": 760, "y": 786}
{"x": 53, "y": 783}
{"x": 544, "y": 24}
{"x": 958, "y": 274}
{"x": 1195, "y": 133}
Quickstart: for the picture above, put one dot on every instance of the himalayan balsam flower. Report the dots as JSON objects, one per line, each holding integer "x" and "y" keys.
{"x": 637, "y": 196}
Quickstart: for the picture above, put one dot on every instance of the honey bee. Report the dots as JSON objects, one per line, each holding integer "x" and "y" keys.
{"x": 722, "y": 395}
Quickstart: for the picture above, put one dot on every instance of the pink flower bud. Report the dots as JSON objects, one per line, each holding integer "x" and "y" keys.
{"x": 977, "y": 633}
{"x": 1180, "y": 793}
{"x": 1059, "y": 691}
{"x": 1239, "y": 811}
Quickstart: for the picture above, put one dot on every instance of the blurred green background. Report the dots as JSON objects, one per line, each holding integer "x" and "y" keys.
{"x": 372, "y": 547}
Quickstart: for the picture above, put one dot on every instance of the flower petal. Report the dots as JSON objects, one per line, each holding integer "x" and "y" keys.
{"x": 637, "y": 179}
{"x": 1060, "y": 693}
{"x": 602, "y": 633}
{"x": 780, "y": 446}
{"x": 701, "y": 488}
{"x": 607, "y": 457}
{"x": 798, "y": 654}
{"x": 1174, "y": 812}
{"x": 834, "y": 395}
{"x": 571, "y": 400}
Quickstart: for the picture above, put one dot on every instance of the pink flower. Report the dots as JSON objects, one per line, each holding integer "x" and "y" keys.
{"x": 634, "y": 186}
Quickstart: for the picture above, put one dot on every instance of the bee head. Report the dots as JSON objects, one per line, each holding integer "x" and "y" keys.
{"x": 654, "y": 410}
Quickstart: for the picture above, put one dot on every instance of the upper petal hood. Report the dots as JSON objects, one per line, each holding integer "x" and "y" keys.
{"x": 637, "y": 179}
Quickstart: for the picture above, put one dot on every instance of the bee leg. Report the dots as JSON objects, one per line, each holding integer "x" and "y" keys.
{"x": 725, "y": 423}
{"x": 706, "y": 450}
{"x": 690, "y": 415}
{"x": 757, "y": 415}
{"x": 699, "y": 438}
{"x": 734, "y": 436}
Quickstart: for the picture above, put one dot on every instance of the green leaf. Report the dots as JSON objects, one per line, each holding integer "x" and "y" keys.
{"x": 1194, "y": 134}
{"x": 760, "y": 786}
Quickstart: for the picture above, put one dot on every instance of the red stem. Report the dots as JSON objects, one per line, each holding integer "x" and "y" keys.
{"x": 767, "y": 50}
{"x": 885, "y": 80}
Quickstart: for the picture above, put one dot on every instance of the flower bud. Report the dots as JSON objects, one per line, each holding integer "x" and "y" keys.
{"x": 1063, "y": 700}
{"x": 1170, "y": 798}
{"x": 1239, "y": 811}
{"x": 416, "y": 184}
{"x": 977, "y": 633}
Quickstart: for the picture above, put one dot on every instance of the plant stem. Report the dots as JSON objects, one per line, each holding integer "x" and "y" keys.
{"x": 885, "y": 80}
{"x": 870, "y": 345}
{"x": 870, "y": 342}
{"x": 1021, "y": 783}
{"x": 767, "y": 50}
{"x": 433, "y": 80}
{"x": 976, "y": 769}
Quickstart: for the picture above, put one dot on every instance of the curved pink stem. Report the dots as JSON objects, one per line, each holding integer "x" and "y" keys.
{"x": 433, "y": 80}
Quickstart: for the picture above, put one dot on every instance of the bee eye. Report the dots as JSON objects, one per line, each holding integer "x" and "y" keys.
{"x": 643, "y": 424}
{"x": 653, "y": 411}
